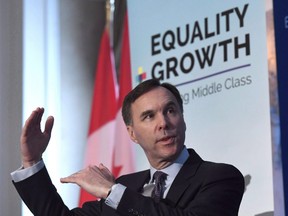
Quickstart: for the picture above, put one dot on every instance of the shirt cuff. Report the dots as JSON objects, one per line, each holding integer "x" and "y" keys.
{"x": 115, "y": 195}
{"x": 22, "y": 174}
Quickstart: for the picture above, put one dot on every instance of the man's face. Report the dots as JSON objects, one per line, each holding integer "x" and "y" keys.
{"x": 158, "y": 126}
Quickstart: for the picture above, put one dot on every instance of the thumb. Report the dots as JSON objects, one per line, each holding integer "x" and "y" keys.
{"x": 49, "y": 125}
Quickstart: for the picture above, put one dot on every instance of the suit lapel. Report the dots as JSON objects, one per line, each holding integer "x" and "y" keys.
{"x": 136, "y": 181}
{"x": 182, "y": 180}
{"x": 142, "y": 180}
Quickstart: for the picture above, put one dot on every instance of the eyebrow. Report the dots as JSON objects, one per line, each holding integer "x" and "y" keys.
{"x": 171, "y": 103}
{"x": 147, "y": 112}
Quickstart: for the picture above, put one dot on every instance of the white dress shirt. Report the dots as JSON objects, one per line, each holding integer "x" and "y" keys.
{"x": 117, "y": 190}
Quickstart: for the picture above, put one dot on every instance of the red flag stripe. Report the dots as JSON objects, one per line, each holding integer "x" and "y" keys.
{"x": 104, "y": 89}
{"x": 125, "y": 82}
{"x": 100, "y": 142}
{"x": 123, "y": 157}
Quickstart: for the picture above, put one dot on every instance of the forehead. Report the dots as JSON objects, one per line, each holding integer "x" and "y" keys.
{"x": 158, "y": 96}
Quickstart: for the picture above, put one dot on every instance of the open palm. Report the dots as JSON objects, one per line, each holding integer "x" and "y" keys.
{"x": 33, "y": 141}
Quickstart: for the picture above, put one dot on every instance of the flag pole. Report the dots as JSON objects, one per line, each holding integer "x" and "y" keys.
{"x": 110, "y": 8}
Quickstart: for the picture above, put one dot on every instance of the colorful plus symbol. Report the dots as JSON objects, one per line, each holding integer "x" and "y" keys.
{"x": 141, "y": 75}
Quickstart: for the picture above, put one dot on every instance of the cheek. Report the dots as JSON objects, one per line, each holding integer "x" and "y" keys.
{"x": 144, "y": 138}
{"x": 136, "y": 134}
{"x": 182, "y": 124}
{"x": 141, "y": 137}
{"x": 181, "y": 128}
{"x": 143, "y": 130}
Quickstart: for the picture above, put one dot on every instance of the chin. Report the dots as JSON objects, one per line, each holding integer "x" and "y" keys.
{"x": 172, "y": 152}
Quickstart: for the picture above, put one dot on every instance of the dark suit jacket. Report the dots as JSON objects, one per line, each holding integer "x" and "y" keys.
{"x": 201, "y": 188}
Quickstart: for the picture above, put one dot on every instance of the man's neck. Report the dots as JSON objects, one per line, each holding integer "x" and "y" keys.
{"x": 160, "y": 165}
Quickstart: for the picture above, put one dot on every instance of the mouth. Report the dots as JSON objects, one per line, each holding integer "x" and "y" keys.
{"x": 167, "y": 139}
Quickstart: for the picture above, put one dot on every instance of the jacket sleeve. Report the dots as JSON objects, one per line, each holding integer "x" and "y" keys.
{"x": 41, "y": 197}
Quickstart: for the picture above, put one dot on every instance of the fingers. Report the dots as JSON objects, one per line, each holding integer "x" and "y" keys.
{"x": 69, "y": 179}
{"x": 34, "y": 121}
{"x": 106, "y": 172}
{"x": 102, "y": 167}
{"x": 93, "y": 179}
{"x": 74, "y": 178}
{"x": 49, "y": 125}
{"x": 96, "y": 170}
{"x": 39, "y": 111}
{"x": 78, "y": 176}
{"x": 31, "y": 122}
{"x": 35, "y": 117}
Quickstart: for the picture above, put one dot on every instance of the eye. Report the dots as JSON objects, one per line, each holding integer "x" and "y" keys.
{"x": 171, "y": 110}
{"x": 147, "y": 116}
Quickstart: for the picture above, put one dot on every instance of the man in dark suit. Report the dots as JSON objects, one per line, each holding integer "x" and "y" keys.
{"x": 153, "y": 114}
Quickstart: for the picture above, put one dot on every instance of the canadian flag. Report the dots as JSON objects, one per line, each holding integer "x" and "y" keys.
{"x": 108, "y": 139}
{"x": 101, "y": 139}
{"x": 123, "y": 160}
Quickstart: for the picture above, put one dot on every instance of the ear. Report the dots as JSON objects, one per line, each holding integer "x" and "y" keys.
{"x": 184, "y": 122}
{"x": 132, "y": 134}
{"x": 184, "y": 126}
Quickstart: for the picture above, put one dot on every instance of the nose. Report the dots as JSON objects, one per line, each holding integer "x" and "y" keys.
{"x": 163, "y": 122}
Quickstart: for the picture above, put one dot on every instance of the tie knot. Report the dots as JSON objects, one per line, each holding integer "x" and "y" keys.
{"x": 159, "y": 176}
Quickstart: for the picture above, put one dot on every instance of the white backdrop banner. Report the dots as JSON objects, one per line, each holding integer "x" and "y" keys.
{"x": 216, "y": 54}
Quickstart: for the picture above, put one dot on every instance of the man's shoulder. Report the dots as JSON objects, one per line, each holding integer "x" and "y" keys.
{"x": 219, "y": 167}
{"x": 212, "y": 167}
{"x": 215, "y": 171}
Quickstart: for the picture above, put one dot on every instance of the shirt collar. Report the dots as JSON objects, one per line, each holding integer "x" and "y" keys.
{"x": 173, "y": 169}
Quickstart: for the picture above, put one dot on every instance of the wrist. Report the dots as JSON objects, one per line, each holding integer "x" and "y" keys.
{"x": 110, "y": 190}
{"x": 27, "y": 164}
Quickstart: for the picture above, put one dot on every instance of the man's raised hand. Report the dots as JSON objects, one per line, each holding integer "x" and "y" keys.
{"x": 33, "y": 141}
